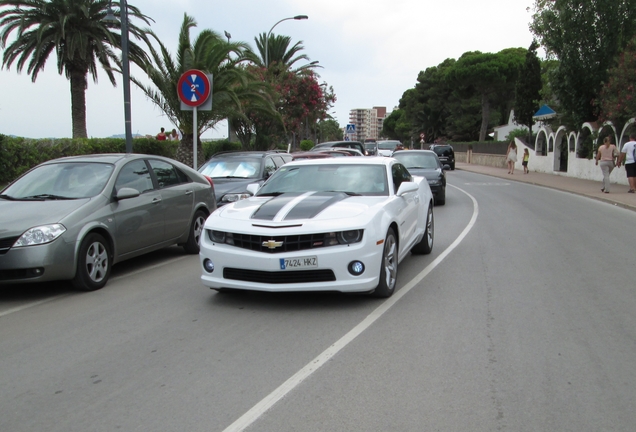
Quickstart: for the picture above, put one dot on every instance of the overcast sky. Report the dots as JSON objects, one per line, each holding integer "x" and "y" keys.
{"x": 371, "y": 51}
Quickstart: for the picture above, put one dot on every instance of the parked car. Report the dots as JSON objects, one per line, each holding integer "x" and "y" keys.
{"x": 231, "y": 172}
{"x": 445, "y": 153}
{"x": 336, "y": 224}
{"x": 346, "y": 144}
{"x": 387, "y": 147}
{"x": 74, "y": 218}
{"x": 425, "y": 163}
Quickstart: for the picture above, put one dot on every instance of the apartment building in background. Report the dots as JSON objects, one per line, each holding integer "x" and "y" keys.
{"x": 368, "y": 122}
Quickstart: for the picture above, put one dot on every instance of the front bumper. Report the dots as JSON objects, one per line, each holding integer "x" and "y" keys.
{"x": 237, "y": 268}
{"x": 39, "y": 263}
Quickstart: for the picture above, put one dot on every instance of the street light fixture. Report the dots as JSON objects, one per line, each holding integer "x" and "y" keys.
{"x": 228, "y": 36}
{"x": 110, "y": 16}
{"x": 229, "y": 126}
{"x": 297, "y": 17}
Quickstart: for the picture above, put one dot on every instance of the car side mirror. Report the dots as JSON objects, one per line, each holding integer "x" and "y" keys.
{"x": 126, "y": 193}
{"x": 253, "y": 188}
{"x": 406, "y": 187}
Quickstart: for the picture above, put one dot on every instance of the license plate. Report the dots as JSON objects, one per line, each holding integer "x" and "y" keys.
{"x": 298, "y": 263}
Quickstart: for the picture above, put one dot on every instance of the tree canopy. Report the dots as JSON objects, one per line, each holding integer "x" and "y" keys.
{"x": 586, "y": 37}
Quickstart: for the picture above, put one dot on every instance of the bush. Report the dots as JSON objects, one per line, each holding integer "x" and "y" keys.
{"x": 210, "y": 148}
{"x": 18, "y": 155}
{"x": 306, "y": 145}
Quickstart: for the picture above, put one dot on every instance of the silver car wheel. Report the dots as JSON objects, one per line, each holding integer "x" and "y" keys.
{"x": 389, "y": 262}
{"x": 96, "y": 262}
{"x": 199, "y": 222}
{"x": 430, "y": 228}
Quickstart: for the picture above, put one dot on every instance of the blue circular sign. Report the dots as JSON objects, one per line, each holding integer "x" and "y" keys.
{"x": 193, "y": 88}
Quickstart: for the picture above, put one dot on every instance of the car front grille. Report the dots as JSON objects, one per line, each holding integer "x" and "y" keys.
{"x": 6, "y": 243}
{"x": 290, "y": 243}
{"x": 279, "y": 277}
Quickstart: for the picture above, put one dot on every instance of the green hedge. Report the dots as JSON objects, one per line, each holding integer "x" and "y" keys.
{"x": 18, "y": 155}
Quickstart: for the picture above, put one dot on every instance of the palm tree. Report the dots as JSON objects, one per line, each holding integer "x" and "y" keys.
{"x": 79, "y": 35}
{"x": 232, "y": 86}
{"x": 279, "y": 52}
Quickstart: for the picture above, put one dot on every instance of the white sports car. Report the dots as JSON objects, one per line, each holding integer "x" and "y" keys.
{"x": 340, "y": 224}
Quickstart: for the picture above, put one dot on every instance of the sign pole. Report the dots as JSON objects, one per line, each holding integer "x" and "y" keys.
{"x": 194, "y": 138}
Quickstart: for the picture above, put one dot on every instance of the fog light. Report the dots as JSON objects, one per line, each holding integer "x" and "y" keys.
{"x": 356, "y": 268}
{"x": 208, "y": 265}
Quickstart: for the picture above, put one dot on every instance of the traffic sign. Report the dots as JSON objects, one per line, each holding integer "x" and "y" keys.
{"x": 351, "y": 128}
{"x": 193, "y": 88}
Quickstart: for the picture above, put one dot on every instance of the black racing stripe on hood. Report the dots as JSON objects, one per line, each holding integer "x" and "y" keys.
{"x": 312, "y": 205}
{"x": 270, "y": 209}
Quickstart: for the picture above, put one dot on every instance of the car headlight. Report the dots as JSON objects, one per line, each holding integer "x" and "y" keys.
{"x": 343, "y": 237}
{"x": 40, "y": 235}
{"x": 435, "y": 182}
{"x": 221, "y": 237}
{"x": 230, "y": 198}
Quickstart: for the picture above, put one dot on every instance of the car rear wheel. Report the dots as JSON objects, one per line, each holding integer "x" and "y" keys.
{"x": 93, "y": 264}
{"x": 196, "y": 229}
{"x": 389, "y": 268}
{"x": 425, "y": 246}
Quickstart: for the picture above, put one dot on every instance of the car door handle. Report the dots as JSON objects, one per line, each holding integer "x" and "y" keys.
{"x": 156, "y": 200}
{"x": 188, "y": 192}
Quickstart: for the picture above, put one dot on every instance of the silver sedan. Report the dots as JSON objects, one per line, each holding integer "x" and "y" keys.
{"x": 73, "y": 218}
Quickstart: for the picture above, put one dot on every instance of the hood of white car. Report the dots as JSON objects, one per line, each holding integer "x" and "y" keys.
{"x": 295, "y": 207}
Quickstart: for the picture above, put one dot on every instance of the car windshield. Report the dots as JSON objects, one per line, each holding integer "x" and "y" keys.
{"x": 369, "y": 146}
{"x": 232, "y": 168}
{"x": 417, "y": 160}
{"x": 64, "y": 180}
{"x": 388, "y": 145}
{"x": 353, "y": 179}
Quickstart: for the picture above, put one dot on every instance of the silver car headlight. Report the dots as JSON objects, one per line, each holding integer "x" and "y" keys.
{"x": 40, "y": 235}
{"x": 434, "y": 182}
{"x": 230, "y": 198}
{"x": 344, "y": 237}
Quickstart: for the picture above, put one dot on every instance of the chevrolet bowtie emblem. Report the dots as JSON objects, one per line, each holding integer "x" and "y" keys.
{"x": 272, "y": 244}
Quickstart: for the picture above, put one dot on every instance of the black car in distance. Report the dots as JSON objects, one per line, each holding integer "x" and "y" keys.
{"x": 445, "y": 153}
{"x": 425, "y": 163}
{"x": 231, "y": 172}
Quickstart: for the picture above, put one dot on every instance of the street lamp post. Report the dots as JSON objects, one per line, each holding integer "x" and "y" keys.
{"x": 297, "y": 17}
{"x": 229, "y": 126}
{"x": 123, "y": 11}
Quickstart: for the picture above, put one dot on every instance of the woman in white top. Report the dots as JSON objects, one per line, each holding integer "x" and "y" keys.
{"x": 511, "y": 157}
{"x": 607, "y": 154}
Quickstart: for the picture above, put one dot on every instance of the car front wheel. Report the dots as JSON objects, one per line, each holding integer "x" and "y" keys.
{"x": 389, "y": 267}
{"x": 196, "y": 229}
{"x": 93, "y": 263}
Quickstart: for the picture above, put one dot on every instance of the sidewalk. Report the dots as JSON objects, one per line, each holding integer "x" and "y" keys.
{"x": 588, "y": 188}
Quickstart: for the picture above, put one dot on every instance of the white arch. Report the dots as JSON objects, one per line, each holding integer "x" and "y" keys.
{"x": 624, "y": 135}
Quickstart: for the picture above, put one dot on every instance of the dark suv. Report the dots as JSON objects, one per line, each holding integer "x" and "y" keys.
{"x": 445, "y": 154}
{"x": 231, "y": 172}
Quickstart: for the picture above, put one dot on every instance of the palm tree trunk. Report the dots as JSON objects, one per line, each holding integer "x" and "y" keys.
{"x": 485, "y": 116}
{"x": 78, "y": 103}
{"x": 184, "y": 151}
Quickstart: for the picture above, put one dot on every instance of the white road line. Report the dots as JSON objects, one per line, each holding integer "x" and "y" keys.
{"x": 270, "y": 400}
{"x": 28, "y": 305}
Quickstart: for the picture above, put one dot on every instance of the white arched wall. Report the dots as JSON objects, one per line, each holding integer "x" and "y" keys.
{"x": 576, "y": 167}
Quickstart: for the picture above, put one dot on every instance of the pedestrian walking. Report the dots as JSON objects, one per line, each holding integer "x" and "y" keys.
{"x": 161, "y": 136}
{"x": 628, "y": 157}
{"x": 511, "y": 157}
{"x": 606, "y": 154}
{"x": 526, "y": 158}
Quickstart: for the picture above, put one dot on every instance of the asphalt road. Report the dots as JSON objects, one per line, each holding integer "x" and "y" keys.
{"x": 522, "y": 319}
